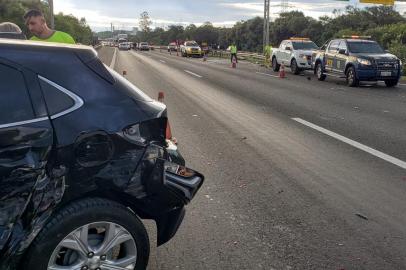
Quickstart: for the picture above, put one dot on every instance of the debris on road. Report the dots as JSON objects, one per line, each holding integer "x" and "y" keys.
{"x": 361, "y": 216}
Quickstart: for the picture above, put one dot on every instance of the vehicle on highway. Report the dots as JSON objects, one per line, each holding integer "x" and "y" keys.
{"x": 295, "y": 53}
{"x": 124, "y": 46}
{"x": 84, "y": 155}
{"x": 172, "y": 47}
{"x": 191, "y": 48}
{"x": 143, "y": 46}
{"x": 358, "y": 59}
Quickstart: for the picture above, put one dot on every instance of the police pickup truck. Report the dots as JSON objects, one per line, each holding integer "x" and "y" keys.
{"x": 295, "y": 53}
{"x": 357, "y": 59}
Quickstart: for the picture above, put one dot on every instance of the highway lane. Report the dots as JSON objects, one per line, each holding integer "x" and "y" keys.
{"x": 280, "y": 195}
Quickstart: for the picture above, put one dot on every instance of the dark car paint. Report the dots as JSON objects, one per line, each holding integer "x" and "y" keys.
{"x": 363, "y": 73}
{"x": 48, "y": 164}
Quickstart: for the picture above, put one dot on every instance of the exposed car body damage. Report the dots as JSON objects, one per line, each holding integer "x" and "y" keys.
{"x": 112, "y": 146}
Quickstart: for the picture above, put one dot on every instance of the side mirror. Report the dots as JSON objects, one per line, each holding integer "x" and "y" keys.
{"x": 288, "y": 48}
{"x": 342, "y": 51}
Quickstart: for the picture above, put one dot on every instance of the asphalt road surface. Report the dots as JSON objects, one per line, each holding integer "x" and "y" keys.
{"x": 300, "y": 174}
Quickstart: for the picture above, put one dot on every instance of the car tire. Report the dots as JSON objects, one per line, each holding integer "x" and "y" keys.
{"x": 275, "y": 65}
{"x": 294, "y": 68}
{"x": 351, "y": 75}
{"x": 391, "y": 83}
{"x": 319, "y": 72}
{"x": 68, "y": 224}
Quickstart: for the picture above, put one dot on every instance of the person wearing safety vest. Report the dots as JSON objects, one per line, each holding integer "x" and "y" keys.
{"x": 35, "y": 21}
{"x": 233, "y": 51}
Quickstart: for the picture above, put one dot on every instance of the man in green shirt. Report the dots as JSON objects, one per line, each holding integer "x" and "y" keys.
{"x": 233, "y": 51}
{"x": 36, "y": 23}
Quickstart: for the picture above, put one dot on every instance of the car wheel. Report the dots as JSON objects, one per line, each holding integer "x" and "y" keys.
{"x": 391, "y": 83}
{"x": 294, "y": 68}
{"x": 319, "y": 72}
{"x": 275, "y": 65}
{"x": 90, "y": 234}
{"x": 352, "y": 80}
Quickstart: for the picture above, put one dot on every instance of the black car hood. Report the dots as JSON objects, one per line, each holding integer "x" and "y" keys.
{"x": 374, "y": 56}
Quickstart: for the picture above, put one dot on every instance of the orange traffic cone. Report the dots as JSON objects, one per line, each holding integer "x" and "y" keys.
{"x": 282, "y": 74}
{"x": 161, "y": 96}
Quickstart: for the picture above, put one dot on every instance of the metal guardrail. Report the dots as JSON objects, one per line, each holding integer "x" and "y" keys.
{"x": 241, "y": 55}
{"x": 249, "y": 56}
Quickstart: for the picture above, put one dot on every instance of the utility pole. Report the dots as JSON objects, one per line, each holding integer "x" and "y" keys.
{"x": 51, "y": 11}
{"x": 284, "y": 6}
{"x": 265, "y": 41}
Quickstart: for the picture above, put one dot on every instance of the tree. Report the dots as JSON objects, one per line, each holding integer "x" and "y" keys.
{"x": 145, "y": 22}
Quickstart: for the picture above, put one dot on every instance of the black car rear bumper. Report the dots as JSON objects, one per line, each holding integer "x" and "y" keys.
{"x": 165, "y": 187}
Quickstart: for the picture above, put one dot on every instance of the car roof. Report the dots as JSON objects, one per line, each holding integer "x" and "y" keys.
{"x": 355, "y": 40}
{"x": 41, "y": 56}
{"x": 29, "y": 44}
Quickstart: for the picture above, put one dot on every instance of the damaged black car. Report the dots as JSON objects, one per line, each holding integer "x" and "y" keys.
{"x": 84, "y": 157}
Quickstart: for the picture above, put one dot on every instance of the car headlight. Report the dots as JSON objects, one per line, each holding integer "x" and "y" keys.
{"x": 364, "y": 62}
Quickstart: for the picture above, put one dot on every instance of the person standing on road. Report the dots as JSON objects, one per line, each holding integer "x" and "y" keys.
{"x": 233, "y": 51}
{"x": 36, "y": 23}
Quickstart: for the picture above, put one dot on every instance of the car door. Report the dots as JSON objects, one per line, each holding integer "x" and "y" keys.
{"x": 341, "y": 57}
{"x": 330, "y": 55}
{"x": 288, "y": 53}
{"x": 280, "y": 53}
{"x": 26, "y": 138}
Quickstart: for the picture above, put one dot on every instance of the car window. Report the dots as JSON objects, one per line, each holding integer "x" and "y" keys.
{"x": 282, "y": 46}
{"x": 333, "y": 46}
{"x": 15, "y": 104}
{"x": 365, "y": 47}
{"x": 342, "y": 45}
{"x": 304, "y": 45}
{"x": 191, "y": 44}
{"x": 56, "y": 100}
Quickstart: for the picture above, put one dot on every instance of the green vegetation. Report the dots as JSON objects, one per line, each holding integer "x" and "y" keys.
{"x": 13, "y": 11}
{"x": 383, "y": 23}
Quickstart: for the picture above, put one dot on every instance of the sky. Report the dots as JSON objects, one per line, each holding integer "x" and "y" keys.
{"x": 124, "y": 14}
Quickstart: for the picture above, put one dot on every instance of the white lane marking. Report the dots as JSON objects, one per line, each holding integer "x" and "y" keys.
{"x": 266, "y": 74}
{"x": 355, "y": 144}
{"x": 113, "y": 61}
{"x": 162, "y": 61}
{"x": 191, "y": 73}
{"x": 402, "y": 84}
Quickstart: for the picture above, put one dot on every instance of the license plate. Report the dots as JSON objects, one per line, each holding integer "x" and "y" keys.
{"x": 386, "y": 73}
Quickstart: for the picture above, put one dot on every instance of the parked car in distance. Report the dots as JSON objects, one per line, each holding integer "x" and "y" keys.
{"x": 358, "y": 59}
{"x": 124, "y": 46}
{"x": 144, "y": 46}
{"x": 295, "y": 53}
{"x": 172, "y": 47}
{"x": 191, "y": 48}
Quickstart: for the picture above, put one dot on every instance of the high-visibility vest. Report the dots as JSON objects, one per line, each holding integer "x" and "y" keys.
{"x": 233, "y": 49}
